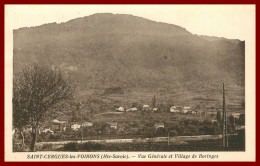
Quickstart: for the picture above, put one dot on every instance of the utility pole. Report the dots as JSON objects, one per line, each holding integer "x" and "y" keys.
{"x": 81, "y": 119}
{"x": 224, "y": 117}
{"x": 168, "y": 137}
{"x": 154, "y": 101}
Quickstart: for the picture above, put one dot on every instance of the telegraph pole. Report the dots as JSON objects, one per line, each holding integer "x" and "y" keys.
{"x": 168, "y": 137}
{"x": 81, "y": 118}
{"x": 224, "y": 117}
{"x": 81, "y": 128}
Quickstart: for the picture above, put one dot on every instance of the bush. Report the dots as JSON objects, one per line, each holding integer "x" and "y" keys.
{"x": 70, "y": 146}
{"x": 241, "y": 137}
{"x": 20, "y": 148}
{"x": 174, "y": 133}
{"x": 47, "y": 147}
{"x": 113, "y": 90}
{"x": 92, "y": 146}
{"x": 56, "y": 136}
{"x": 17, "y": 148}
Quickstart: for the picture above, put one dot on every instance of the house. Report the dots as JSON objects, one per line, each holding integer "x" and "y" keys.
{"x": 58, "y": 125}
{"x": 239, "y": 127}
{"x": 211, "y": 113}
{"x": 56, "y": 121}
{"x": 29, "y": 129}
{"x": 113, "y": 125}
{"x": 193, "y": 112}
{"x": 186, "y": 108}
{"x": 120, "y": 109}
{"x": 236, "y": 115}
{"x": 87, "y": 124}
{"x": 47, "y": 131}
{"x": 128, "y": 110}
{"x": 75, "y": 127}
{"x": 131, "y": 109}
{"x": 185, "y": 111}
{"x": 158, "y": 125}
{"x": 134, "y": 109}
{"x": 146, "y": 107}
{"x": 174, "y": 109}
{"x": 155, "y": 109}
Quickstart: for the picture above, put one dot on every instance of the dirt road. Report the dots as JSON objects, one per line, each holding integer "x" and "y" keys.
{"x": 178, "y": 139}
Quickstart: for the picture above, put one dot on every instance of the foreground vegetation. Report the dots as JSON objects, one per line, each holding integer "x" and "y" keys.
{"x": 236, "y": 143}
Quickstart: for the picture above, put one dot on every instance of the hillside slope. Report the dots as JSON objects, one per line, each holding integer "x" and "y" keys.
{"x": 114, "y": 50}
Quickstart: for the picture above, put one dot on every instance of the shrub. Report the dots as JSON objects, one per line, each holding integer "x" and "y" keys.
{"x": 56, "y": 136}
{"x": 20, "y": 148}
{"x": 174, "y": 133}
{"x": 70, "y": 146}
{"x": 92, "y": 146}
{"x": 47, "y": 147}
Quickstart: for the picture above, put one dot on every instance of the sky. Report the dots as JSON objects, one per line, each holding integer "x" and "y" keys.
{"x": 229, "y": 21}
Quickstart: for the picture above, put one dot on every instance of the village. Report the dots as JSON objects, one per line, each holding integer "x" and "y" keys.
{"x": 62, "y": 126}
{"x": 138, "y": 123}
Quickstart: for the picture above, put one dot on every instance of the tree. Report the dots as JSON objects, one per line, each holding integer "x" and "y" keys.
{"x": 231, "y": 123}
{"x": 105, "y": 128}
{"x": 37, "y": 93}
{"x": 218, "y": 117}
{"x": 154, "y": 101}
{"x": 241, "y": 119}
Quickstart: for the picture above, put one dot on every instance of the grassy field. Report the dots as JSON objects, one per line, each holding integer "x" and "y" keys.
{"x": 98, "y": 105}
{"x": 236, "y": 143}
{"x": 100, "y": 109}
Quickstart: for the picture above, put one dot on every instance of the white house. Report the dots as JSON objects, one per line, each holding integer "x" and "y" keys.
{"x": 236, "y": 115}
{"x": 120, "y": 109}
{"x": 87, "y": 124}
{"x": 145, "y": 106}
{"x": 239, "y": 127}
{"x": 134, "y": 109}
{"x": 128, "y": 110}
{"x": 185, "y": 111}
{"x": 174, "y": 109}
{"x": 131, "y": 109}
{"x": 58, "y": 125}
{"x": 159, "y": 125}
{"x": 186, "y": 108}
{"x": 56, "y": 121}
{"x": 155, "y": 109}
{"x": 113, "y": 125}
{"x": 193, "y": 112}
{"x": 75, "y": 127}
{"x": 47, "y": 131}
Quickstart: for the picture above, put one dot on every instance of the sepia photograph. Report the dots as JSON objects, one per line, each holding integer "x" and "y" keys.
{"x": 130, "y": 78}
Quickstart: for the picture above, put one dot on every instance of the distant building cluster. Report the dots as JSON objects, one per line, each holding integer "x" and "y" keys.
{"x": 173, "y": 109}
{"x": 57, "y": 126}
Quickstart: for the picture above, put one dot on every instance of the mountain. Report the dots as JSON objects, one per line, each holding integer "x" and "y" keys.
{"x": 116, "y": 50}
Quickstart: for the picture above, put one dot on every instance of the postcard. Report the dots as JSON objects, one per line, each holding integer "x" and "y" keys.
{"x": 130, "y": 83}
